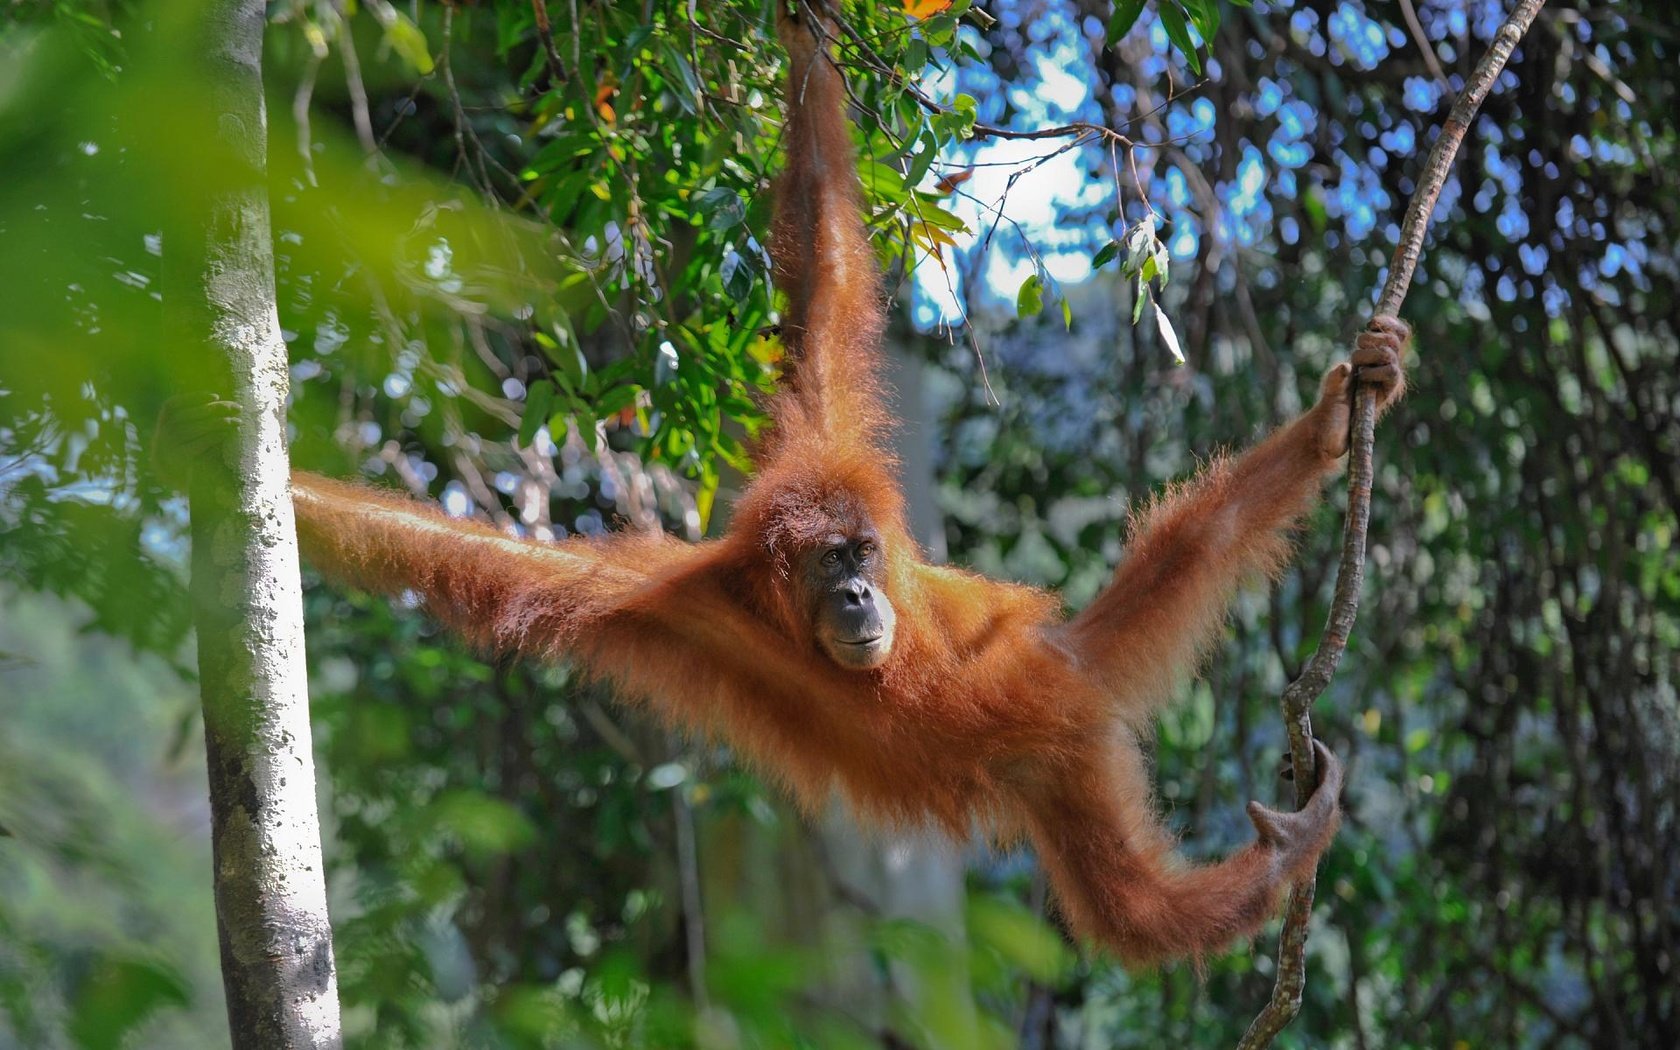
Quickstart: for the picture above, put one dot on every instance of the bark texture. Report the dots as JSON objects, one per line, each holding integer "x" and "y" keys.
{"x": 271, "y": 904}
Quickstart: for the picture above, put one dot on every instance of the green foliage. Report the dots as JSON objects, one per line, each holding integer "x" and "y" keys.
{"x": 1467, "y": 696}
{"x": 540, "y": 291}
{"x": 1125, "y": 16}
{"x": 1029, "y": 301}
{"x": 117, "y": 996}
{"x": 107, "y": 933}
{"x": 1203, "y": 14}
{"x": 1009, "y": 941}
{"x": 592, "y": 286}
{"x": 1173, "y": 21}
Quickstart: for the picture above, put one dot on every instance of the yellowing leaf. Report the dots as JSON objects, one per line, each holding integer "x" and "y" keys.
{"x": 405, "y": 38}
{"x": 929, "y": 236}
{"x": 704, "y": 496}
{"x": 925, "y": 8}
{"x": 316, "y": 37}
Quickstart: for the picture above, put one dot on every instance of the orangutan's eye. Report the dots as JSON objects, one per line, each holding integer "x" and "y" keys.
{"x": 865, "y": 549}
{"x": 831, "y": 558}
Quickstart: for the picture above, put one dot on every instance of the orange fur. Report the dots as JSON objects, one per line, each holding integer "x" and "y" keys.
{"x": 990, "y": 706}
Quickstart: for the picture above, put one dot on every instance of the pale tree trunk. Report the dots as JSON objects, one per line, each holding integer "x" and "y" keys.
{"x": 271, "y": 903}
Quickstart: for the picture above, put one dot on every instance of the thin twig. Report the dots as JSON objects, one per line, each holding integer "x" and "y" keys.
{"x": 545, "y": 34}
{"x": 1435, "y": 169}
{"x": 300, "y": 115}
{"x": 874, "y": 61}
{"x": 693, "y": 901}
{"x": 353, "y": 85}
{"x": 1423, "y": 45}
{"x": 1298, "y": 698}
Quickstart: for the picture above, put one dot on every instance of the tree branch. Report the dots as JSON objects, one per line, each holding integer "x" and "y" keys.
{"x": 545, "y": 34}
{"x": 875, "y": 63}
{"x": 1298, "y": 698}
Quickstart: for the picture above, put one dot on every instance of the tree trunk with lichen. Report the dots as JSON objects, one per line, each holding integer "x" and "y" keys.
{"x": 271, "y": 903}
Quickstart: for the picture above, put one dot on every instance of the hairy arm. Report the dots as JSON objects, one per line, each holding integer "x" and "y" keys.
{"x": 820, "y": 246}
{"x": 626, "y": 605}
{"x": 1193, "y": 547}
{"x": 1120, "y": 882}
{"x": 498, "y": 592}
{"x": 649, "y": 613}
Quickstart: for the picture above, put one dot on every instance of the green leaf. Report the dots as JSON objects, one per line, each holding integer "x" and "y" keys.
{"x": 1125, "y": 16}
{"x": 923, "y": 160}
{"x": 1178, "y": 31}
{"x": 482, "y": 823}
{"x": 570, "y": 367}
{"x": 408, "y": 41}
{"x": 1067, "y": 314}
{"x": 940, "y": 30}
{"x": 706, "y": 494}
{"x": 915, "y": 55}
{"x": 1105, "y": 255}
{"x": 638, "y": 36}
{"x": 616, "y": 399}
{"x": 564, "y": 152}
{"x": 1318, "y": 216}
{"x": 117, "y": 996}
{"x": 934, "y": 215}
{"x": 1137, "y": 300}
{"x": 882, "y": 181}
{"x": 693, "y": 90}
{"x": 538, "y": 400}
{"x": 1029, "y": 301}
{"x": 722, "y": 208}
{"x": 1022, "y": 938}
{"x": 959, "y": 122}
{"x": 741, "y": 270}
{"x": 1205, "y": 15}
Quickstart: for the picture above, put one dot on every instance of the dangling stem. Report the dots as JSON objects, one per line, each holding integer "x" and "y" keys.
{"x": 1298, "y": 698}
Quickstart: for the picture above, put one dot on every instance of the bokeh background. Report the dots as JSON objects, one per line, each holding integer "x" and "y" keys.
{"x": 521, "y": 272}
